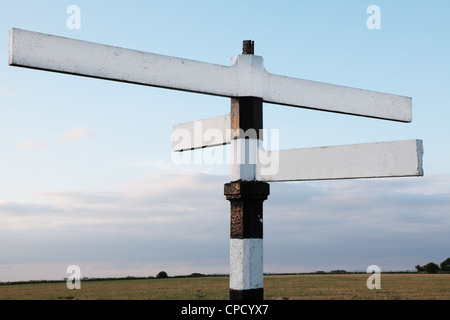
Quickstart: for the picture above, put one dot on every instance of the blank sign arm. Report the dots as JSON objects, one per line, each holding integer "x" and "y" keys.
{"x": 52, "y": 53}
{"x": 368, "y": 160}
{"x": 334, "y": 98}
{"x": 201, "y": 134}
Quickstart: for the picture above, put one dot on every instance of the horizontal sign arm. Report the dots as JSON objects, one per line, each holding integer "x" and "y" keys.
{"x": 246, "y": 77}
{"x": 368, "y": 160}
{"x": 201, "y": 134}
{"x": 334, "y": 98}
{"x": 52, "y": 53}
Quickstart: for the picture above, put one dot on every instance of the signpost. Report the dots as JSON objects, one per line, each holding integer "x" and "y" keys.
{"x": 248, "y": 85}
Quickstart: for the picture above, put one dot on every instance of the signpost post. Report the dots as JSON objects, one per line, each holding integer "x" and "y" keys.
{"x": 248, "y": 85}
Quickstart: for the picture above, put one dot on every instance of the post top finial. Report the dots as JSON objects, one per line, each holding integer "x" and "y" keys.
{"x": 248, "y": 47}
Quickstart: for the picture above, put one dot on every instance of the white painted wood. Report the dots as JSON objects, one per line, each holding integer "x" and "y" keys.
{"x": 334, "y": 98}
{"x": 53, "y": 53}
{"x": 246, "y": 264}
{"x": 370, "y": 160}
{"x": 245, "y": 77}
{"x": 202, "y": 133}
{"x": 244, "y": 159}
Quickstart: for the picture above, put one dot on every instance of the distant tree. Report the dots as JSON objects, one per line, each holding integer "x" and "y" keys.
{"x": 196, "y": 274}
{"x": 162, "y": 275}
{"x": 419, "y": 268}
{"x": 431, "y": 267}
{"x": 338, "y": 271}
{"x": 445, "y": 265}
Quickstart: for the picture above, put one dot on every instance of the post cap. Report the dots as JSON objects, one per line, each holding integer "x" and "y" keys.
{"x": 248, "y": 47}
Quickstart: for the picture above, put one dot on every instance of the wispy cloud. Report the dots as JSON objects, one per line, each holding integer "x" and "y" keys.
{"x": 31, "y": 144}
{"x": 73, "y": 134}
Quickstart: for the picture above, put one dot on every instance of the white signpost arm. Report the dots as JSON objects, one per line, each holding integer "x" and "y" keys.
{"x": 52, "y": 53}
{"x": 246, "y": 77}
{"x": 201, "y": 133}
{"x": 368, "y": 160}
{"x": 335, "y": 98}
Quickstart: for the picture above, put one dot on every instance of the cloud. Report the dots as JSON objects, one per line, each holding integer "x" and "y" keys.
{"x": 73, "y": 134}
{"x": 355, "y": 223}
{"x": 180, "y": 223}
{"x": 158, "y": 219}
{"x": 31, "y": 144}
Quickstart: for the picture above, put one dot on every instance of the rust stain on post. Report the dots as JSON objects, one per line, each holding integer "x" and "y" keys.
{"x": 246, "y": 198}
{"x": 248, "y": 47}
{"x": 246, "y": 114}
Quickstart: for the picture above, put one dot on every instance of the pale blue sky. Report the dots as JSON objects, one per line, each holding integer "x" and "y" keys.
{"x": 86, "y": 164}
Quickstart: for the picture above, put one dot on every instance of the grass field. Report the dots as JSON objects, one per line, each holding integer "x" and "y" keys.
{"x": 309, "y": 286}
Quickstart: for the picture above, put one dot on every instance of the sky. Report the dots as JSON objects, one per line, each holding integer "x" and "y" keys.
{"x": 87, "y": 174}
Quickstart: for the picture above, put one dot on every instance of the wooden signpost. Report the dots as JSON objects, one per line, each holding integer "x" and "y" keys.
{"x": 248, "y": 85}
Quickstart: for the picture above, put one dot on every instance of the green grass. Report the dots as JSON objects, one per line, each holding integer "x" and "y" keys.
{"x": 304, "y": 287}
{"x": 353, "y": 287}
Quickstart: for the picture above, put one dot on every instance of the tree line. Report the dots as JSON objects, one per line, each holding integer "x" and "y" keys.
{"x": 432, "y": 267}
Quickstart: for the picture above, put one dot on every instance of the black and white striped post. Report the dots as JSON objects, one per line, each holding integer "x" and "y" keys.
{"x": 246, "y": 238}
{"x": 246, "y": 196}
